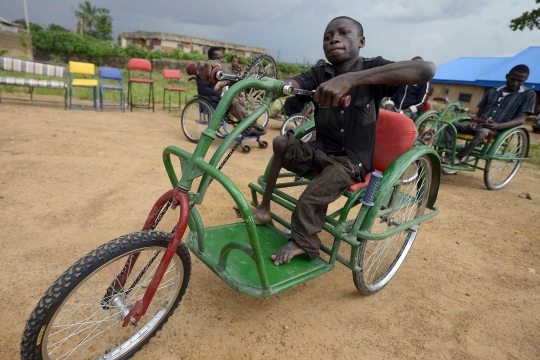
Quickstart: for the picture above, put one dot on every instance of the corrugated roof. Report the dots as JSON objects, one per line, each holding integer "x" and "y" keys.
{"x": 490, "y": 72}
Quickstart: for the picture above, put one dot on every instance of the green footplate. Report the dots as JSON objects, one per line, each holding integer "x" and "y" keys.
{"x": 239, "y": 270}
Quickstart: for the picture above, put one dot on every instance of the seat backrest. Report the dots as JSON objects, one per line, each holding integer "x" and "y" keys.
{"x": 427, "y": 107}
{"x": 76, "y": 67}
{"x": 396, "y": 134}
{"x": 171, "y": 74}
{"x": 32, "y": 67}
{"x": 110, "y": 73}
{"x": 139, "y": 64}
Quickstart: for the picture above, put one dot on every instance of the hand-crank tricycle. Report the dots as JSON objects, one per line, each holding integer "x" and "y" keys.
{"x": 114, "y": 299}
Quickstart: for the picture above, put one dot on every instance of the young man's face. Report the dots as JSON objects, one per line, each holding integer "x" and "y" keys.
{"x": 515, "y": 80}
{"x": 218, "y": 55}
{"x": 341, "y": 41}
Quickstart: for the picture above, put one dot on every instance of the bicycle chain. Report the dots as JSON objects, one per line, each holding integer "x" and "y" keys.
{"x": 110, "y": 289}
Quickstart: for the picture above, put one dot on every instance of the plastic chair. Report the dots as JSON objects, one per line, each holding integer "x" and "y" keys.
{"x": 80, "y": 68}
{"x": 115, "y": 75}
{"x": 171, "y": 83}
{"x": 144, "y": 66}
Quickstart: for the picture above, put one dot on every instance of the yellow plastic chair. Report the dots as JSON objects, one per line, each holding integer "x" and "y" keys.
{"x": 80, "y": 68}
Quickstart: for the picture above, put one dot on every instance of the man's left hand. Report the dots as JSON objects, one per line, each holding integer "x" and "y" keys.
{"x": 328, "y": 93}
{"x": 491, "y": 125}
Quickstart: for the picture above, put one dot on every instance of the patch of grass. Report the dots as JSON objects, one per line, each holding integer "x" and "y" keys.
{"x": 534, "y": 153}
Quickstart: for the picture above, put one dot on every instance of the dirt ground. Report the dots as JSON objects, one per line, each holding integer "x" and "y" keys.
{"x": 73, "y": 180}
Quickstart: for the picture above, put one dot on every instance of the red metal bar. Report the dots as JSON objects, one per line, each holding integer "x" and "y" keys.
{"x": 120, "y": 281}
{"x": 139, "y": 308}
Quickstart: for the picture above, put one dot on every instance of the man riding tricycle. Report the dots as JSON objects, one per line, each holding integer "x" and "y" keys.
{"x": 114, "y": 299}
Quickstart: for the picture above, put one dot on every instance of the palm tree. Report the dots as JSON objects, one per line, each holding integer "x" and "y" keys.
{"x": 87, "y": 15}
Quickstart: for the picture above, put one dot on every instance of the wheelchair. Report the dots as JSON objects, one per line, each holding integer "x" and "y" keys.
{"x": 197, "y": 115}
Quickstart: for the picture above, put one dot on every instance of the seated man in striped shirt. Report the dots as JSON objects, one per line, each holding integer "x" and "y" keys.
{"x": 409, "y": 99}
{"x": 504, "y": 107}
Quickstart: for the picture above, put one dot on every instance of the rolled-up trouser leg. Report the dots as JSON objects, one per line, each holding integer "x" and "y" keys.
{"x": 308, "y": 216}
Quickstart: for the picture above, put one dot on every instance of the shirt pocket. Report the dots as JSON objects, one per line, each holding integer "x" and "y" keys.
{"x": 365, "y": 110}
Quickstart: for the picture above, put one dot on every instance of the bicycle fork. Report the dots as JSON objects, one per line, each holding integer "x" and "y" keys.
{"x": 177, "y": 197}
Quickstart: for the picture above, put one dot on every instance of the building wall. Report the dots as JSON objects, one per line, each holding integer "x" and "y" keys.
{"x": 18, "y": 45}
{"x": 170, "y": 42}
{"x": 453, "y": 91}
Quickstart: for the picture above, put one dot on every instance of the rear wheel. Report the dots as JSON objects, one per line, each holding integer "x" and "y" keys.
{"x": 81, "y": 315}
{"x": 381, "y": 259}
{"x": 502, "y": 171}
{"x": 195, "y": 118}
{"x": 293, "y": 122}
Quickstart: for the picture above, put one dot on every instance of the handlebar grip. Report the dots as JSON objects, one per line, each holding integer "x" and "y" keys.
{"x": 213, "y": 75}
{"x": 345, "y": 100}
{"x": 190, "y": 69}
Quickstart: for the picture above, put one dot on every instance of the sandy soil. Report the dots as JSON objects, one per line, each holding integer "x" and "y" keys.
{"x": 73, "y": 180}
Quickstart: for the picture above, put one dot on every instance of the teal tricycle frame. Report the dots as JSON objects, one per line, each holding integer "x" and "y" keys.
{"x": 379, "y": 224}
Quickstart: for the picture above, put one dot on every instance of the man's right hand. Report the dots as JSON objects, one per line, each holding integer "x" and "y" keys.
{"x": 472, "y": 126}
{"x": 204, "y": 71}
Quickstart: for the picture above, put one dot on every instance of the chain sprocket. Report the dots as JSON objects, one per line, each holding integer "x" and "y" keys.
{"x": 262, "y": 65}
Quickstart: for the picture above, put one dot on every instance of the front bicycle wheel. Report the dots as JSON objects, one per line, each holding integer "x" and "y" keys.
{"x": 503, "y": 168}
{"x": 293, "y": 122}
{"x": 81, "y": 315}
{"x": 195, "y": 118}
{"x": 381, "y": 259}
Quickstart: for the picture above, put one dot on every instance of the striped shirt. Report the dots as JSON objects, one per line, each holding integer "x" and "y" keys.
{"x": 501, "y": 109}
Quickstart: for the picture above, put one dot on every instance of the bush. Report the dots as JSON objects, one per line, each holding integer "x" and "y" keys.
{"x": 60, "y": 42}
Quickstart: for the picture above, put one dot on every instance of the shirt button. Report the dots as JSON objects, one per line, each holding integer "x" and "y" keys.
{"x": 342, "y": 112}
{"x": 367, "y": 106}
{"x": 342, "y": 130}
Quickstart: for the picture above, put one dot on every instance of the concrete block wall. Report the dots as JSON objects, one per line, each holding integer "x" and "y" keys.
{"x": 18, "y": 45}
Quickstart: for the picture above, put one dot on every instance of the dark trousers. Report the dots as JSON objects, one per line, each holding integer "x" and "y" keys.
{"x": 335, "y": 174}
{"x": 479, "y": 135}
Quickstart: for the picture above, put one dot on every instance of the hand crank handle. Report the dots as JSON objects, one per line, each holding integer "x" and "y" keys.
{"x": 215, "y": 76}
{"x": 344, "y": 100}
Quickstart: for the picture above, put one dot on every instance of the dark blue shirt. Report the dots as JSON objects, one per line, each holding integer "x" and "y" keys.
{"x": 501, "y": 109}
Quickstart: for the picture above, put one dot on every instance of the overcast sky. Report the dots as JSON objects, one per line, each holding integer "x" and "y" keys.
{"x": 437, "y": 30}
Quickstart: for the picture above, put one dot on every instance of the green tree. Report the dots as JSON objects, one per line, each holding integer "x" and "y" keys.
{"x": 94, "y": 21}
{"x": 56, "y": 27}
{"x": 103, "y": 29}
{"x": 529, "y": 19}
{"x": 87, "y": 15}
{"x": 33, "y": 27}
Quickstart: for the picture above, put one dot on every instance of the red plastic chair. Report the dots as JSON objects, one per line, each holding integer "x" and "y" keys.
{"x": 171, "y": 83}
{"x": 395, "y": 135}
{"x": 141, "y": 65}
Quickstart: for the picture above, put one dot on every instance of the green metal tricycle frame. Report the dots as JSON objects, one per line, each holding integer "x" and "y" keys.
{"x": 239, "y": 253}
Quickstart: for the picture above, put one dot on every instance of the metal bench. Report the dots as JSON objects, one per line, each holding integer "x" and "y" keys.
{"x": 34, "y": 68}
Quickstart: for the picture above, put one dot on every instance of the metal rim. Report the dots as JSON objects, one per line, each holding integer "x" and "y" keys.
{"x": 196, "y": 120}
{"x": 99, "y": 339}
{"x": 292, "y": 123}
{"x": 408, "y": 201}
{"x": 514, "y": 145}
{"x": 264, "y": 118}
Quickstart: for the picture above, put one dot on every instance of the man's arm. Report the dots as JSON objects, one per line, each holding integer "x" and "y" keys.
{"x": 421, "y": 99}
{"x": 399, "y": 73}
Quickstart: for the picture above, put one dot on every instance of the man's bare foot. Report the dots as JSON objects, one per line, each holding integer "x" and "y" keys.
{"x": 261, "y": 217}
{"x": 287, "y": 252}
